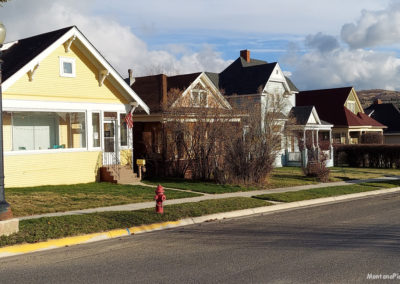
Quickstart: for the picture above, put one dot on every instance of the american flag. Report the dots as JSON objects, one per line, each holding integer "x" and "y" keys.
{"x": 128, "y": 120}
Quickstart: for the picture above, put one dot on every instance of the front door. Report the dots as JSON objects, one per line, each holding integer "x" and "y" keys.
{"x": 110, "y": 153}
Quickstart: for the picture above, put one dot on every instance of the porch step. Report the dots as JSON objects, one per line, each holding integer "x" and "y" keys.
{"x": 125, "y": 175}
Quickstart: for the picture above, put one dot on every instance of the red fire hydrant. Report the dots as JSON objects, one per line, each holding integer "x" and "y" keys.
{"x": 160, "y": 197}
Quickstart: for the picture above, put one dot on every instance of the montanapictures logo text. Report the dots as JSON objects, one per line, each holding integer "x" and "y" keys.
{"x": 393, "y": 276}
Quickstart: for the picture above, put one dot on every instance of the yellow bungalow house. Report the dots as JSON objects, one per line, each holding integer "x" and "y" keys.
{"x": 63, "y": 110}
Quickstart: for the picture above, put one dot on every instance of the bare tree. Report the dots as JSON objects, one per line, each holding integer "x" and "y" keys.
{"x": 194, "y": 135}
{"x": 250, "y": 154}
{"x": 209, "y": 142}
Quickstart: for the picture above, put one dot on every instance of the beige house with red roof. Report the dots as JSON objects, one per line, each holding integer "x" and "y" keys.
{"x": 341, "y": 107}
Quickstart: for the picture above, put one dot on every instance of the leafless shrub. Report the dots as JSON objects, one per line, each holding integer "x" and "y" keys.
{"x": 372, "y": 138}
{"x": 317, "y": 168}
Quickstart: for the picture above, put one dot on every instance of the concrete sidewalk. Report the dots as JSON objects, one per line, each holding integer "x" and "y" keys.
{"x": 151, "y": 204}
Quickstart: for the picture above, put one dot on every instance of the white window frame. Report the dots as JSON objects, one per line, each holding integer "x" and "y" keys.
{"x": 123, "y": 147}
{"x": 90, "y": 129}
{"x": 200, "y": 93}
{"x": 351, "y": 105}
{"x": 67, "y": 60}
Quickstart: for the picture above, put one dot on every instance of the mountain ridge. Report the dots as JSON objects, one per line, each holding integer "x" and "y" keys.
{"x": 367, "y": 97}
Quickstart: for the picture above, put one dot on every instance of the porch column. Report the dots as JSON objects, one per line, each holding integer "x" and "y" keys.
{"x": 304, "y": 152}
{"x": 312, "y": 138}
{"x": 317, "y": 140}
{"x": 330, "y": 144}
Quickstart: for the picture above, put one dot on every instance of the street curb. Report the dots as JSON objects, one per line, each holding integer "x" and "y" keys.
{"x": 69, "y": 241}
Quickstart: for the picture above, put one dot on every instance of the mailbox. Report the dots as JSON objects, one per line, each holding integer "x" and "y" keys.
{"x": 140, "y": 162}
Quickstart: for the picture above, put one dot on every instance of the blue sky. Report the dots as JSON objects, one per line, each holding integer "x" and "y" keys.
{"x": 319, "y": 43}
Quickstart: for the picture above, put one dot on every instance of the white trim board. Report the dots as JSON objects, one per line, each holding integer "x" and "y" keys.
{"x": 34, "y": 105}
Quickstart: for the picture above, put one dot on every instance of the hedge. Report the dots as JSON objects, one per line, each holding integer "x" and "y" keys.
{"x": 367, "y": 155}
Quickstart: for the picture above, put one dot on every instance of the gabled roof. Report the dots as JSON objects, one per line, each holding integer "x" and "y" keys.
{"x": 330, "y": 107}
{"x": 156, "y": 90}
{"x": 301, "y": 114}
{"x": 292, "y": 86}
{"x": 214, "y": 77}
{"x": 181, "y": 82}
{"x": 242, "y": 77}
{"x": 23, "y": 55}
{"x": 387, "y": 114}
{"x": 320, "y": 98}
{"x": 23, "y": 51}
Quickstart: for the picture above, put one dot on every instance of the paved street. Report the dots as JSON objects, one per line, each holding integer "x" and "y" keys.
{"x": 336, "y": 243}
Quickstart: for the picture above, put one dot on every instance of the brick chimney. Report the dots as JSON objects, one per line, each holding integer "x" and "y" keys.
{"x": 131, "y": 78}
{"x": 245, "y": 54}
{"x": 378, "y": 102}
{"x": 164, "y": 89}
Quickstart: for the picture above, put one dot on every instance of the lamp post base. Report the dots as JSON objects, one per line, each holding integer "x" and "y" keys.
{"x": 9, "y": 227}
{"x": 5, "y": 211}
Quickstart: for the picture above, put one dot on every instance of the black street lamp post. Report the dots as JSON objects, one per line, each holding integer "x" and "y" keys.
{"x": 5, "y": 209}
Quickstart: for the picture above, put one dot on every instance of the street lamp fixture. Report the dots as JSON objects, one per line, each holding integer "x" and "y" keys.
{"x": 5, "y": 209}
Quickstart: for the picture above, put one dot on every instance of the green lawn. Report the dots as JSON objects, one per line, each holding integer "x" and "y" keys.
{"x": 327, "y": 191}
{"x": 345, "y": 173}
{"x": 36, "y": 230}
{"x": 205, "y": 187}
{"x": 287, "y": 177}
{"x": 48, "y": 199}
{"x": 280, "y": 177}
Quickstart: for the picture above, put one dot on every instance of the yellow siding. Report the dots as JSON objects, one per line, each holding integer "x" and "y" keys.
{"x": 126, "y": 157}
{"x": 48, "y": 85}
{"x": 51, "y": 169}
{"x": 353, "y": 98}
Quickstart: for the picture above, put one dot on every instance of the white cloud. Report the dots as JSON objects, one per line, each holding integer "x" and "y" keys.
{"x": 360, "y": 68}
{"x": 329, "y": 63}
{"x": 116, "y": 42}
{"x": 374, "y": 28}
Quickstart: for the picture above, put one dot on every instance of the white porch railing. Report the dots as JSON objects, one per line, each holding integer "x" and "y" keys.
{"x": 111, "y": 160}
